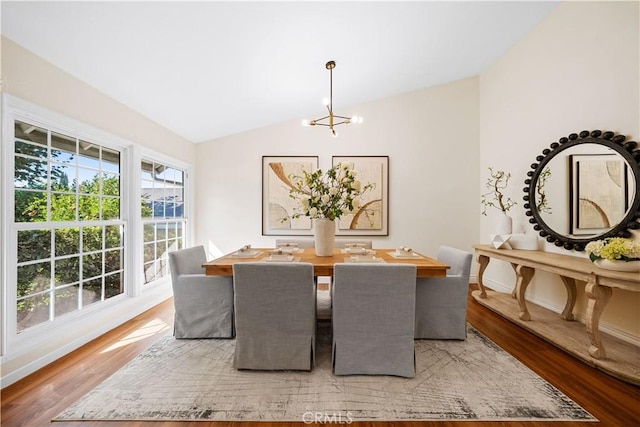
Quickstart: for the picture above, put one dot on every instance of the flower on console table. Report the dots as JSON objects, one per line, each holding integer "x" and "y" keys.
{"x": 614, "y": 249}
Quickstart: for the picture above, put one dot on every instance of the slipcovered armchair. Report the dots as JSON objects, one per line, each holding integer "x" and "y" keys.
{"x": 203, "y": 304}
{"x": 441, "y": 302}
{"x": 275, "y": 316}
{"x": 373, "y": 319}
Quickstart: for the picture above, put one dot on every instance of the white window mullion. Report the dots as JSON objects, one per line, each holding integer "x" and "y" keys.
{"x": 134, "y": 232}
{"x": 130, "y": 271}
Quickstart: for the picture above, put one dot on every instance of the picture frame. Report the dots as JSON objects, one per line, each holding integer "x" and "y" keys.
{"x": 372, "y": 216}
{"x": 599, "y": 192}
{"x": 277, "y": 206}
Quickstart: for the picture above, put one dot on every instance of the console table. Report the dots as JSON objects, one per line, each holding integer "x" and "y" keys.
{"x": 624, "y": 358}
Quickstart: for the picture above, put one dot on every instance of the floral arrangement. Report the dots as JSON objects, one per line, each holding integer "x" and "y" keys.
{"x": 495, "y": 198}
{"x": 614, "y": 249}
{"x": 330, "y": 195}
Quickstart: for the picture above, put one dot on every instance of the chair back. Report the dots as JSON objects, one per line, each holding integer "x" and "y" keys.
{"x": 339, "y": 243}
{"x": 203, "y": 304}
{"x": 374, "y": 319}
{"x": 275, "y": 309}
{"x": 187, "y": 261}
{"x": 457, "y": 259}
{"x": 302, "y": 243}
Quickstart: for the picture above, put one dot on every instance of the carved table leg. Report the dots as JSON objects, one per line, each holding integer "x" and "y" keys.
{"x": 570, "y": 284}
{"x": 513, "y": 292}
{"x": 483, "y": 260}
{"x": 524, "y": 274}
{"x": 598, "y": 298}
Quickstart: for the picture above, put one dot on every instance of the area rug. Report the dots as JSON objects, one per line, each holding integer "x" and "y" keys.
{"x": 455, "y": 380}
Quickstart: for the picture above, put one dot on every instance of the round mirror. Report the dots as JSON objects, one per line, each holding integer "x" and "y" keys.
{"x": 585, "y": 187}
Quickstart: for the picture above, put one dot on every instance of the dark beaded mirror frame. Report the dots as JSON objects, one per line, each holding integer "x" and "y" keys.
{"x": 627, "y": 149}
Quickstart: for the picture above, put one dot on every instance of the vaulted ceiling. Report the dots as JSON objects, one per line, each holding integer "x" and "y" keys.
{"x": 209, "y": 69}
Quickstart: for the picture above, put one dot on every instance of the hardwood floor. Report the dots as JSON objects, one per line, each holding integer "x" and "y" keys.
{"x": 35, "y": 400}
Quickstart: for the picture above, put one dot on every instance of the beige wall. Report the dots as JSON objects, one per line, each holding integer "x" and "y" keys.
{"x": 430, "y": 136}
{"x": 578, "y": 69}
{"x": 33, "y": 79}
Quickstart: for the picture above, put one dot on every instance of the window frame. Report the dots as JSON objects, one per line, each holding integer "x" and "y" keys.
{"x": 13, "y": 343}
{"x": 154, "y": 158}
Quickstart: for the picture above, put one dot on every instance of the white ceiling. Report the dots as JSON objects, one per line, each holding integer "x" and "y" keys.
{"x": 210, "y": 69}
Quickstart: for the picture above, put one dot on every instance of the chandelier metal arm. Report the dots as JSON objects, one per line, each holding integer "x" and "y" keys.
{"x": 329, "y": 104}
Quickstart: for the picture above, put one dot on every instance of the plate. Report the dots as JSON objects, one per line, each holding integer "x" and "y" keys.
{"x": 245, "y": 254}
{"x": 360, "y": 258}
{"x": 407, "y": 255}
{"x": 280, "y": 258}
{"x": 284, "y": 251}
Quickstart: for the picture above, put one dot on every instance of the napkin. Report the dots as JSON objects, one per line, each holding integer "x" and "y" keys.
{"x": 404, "y": 249}
{"x": 244, "y": 248}
{"x": 288, "y": 245}
{"x": 354, "y": 245}
{"x": 358, "y": 250}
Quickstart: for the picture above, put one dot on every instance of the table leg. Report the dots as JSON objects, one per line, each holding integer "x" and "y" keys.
{"x": 598, "y": 298}
{"x": 524, "y": 276}
{"x": 570, "y": 285}
{"x": 483, "y": 260}
{"x": 513, "y": 292}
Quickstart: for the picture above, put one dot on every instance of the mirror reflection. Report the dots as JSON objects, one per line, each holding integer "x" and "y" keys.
{"x": 583, "y": 188}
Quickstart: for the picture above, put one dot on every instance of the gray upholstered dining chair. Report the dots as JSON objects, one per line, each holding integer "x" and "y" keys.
{"x": 302, "y": 243}
{"x": 441, "y": 302}
{"x": 203, "y": 304}
{"x": 367, "y": 244}
{"x": 373, "y": 319}
{"x": 275, "y": 309}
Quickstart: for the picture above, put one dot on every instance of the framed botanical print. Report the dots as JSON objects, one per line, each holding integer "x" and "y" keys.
{"x": 371, "y": 215}
{"x": 277, "y": 206}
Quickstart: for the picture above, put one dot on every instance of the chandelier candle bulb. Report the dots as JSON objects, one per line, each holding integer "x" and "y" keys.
{"x": 332, "y": 119}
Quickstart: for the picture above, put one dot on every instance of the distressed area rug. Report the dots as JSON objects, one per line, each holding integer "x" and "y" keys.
{"x": 455, "y": 380}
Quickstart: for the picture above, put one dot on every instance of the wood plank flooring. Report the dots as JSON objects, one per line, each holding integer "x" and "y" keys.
{"x": 35, "y": 400}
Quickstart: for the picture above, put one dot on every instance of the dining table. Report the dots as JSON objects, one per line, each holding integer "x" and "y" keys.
{"x": 323, "y": 265}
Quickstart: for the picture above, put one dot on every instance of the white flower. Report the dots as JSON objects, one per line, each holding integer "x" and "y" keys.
{"x": 595, "y": 247}
{"x": 327, "y": 195}
{"x": 356, "y": 204}
{"x": 614, "y": 248}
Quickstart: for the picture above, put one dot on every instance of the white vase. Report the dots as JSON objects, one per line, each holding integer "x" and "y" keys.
{"x": 324, "y": 232}
{"x": 618, "y": 265}
{"x": 503, "y": 224}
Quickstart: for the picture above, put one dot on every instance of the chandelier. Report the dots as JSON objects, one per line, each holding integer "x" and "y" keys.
{"x": 331, "y": 120}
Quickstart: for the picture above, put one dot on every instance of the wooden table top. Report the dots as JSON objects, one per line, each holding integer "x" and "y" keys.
{"x": 323, "y": 266}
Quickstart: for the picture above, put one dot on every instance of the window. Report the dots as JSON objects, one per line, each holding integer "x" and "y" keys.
{"x": 162, "y": 198}
{"x": 67, "y": 216}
